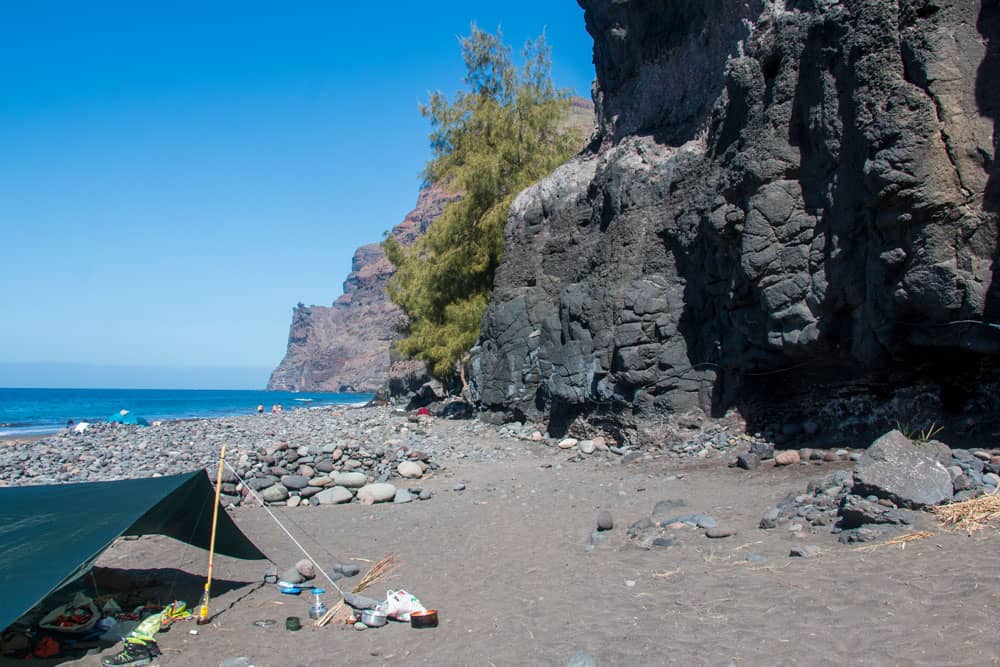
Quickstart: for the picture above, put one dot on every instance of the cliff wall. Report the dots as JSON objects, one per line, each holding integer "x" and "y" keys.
{"x": 785, "y": 201}
{"x": 345, "y": 347}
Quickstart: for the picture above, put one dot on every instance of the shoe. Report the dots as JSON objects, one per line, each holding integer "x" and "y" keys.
{"x": 133, "y": 654}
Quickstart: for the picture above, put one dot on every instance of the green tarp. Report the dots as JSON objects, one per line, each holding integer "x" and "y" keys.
{"x": 50, "y": 535}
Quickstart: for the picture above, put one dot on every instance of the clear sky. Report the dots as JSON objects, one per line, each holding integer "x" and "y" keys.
{"x": 175, "y": 177}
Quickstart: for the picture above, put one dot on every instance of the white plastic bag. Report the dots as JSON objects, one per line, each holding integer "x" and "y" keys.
{"x": 400, "y": 604}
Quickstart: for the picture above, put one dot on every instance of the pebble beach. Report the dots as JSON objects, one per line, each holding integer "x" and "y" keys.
{"x": 543, "y": 551}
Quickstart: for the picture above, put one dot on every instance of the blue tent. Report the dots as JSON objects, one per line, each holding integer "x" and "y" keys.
{"x": 126, "y": 417}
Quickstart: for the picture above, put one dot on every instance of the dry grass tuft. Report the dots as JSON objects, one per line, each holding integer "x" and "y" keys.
{"x": 970, "y": 515}
{"x": 901, "y": 540}
{"x": 380, "y": 570}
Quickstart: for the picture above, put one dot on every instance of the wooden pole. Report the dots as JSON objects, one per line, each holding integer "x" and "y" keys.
{"x": 203, "y": 609}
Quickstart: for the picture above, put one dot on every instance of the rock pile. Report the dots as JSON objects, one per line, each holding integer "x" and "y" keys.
{"x": 894, "y": 476}
{"x": 332, "y": 475}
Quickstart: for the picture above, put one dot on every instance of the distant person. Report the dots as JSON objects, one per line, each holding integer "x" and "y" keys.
{"x": 69, "y": 424}
{"x": 274, "y": 409}
{"x": 260, "y": 409}
{"x": 279, "y": 407}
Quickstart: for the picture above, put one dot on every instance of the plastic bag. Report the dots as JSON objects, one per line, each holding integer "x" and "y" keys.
{"x": 400, "y": 604}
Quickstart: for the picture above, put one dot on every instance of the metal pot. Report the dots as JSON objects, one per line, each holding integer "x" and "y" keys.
{"x": 373, "y": 618}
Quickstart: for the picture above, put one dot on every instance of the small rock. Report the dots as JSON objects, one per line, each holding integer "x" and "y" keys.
{"x": 306, "y": 568}
{"x": 274, "y": 494}
{"x": 786, "y": 458}
{"x": 409, "y": 469}
{"x": 751, "y": 557}
{"x": 295, "y": 482}
{"x": 242, "y": 661}
{"x": 770, "y": 518}
{"x": 293, "y": 501}
{"x": 581, "y": 659}
{"x": 334, "y": 495}
{"x": 718, "y": 533}
{"x": 587, "y": 446}
{"x": 360, "y": 626}
{"x": 663, "y": 542}
{"x": 403, "y": 496}
{"x": 458, "y": 487}
{"x": 604, "y": 520}
{"x": 763, "y": 450}
{"x": 805, "y": 551}
{"x": 350, "y": 480}
{"x": 292, "y": 576}
{"x": 747, "y": 461}
{"x": 350, "y": 570}
{"x": 568, "y": 443}
{"x": 425, "y": 494}
{"x": 379, "y": 492}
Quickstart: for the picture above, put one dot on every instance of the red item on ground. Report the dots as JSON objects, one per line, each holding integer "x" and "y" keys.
{"x": 46, "y": 648}
{"x": 423, "y": 412}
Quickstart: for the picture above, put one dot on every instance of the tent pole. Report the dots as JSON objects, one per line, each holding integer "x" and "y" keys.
{"x": 203, "y": 609}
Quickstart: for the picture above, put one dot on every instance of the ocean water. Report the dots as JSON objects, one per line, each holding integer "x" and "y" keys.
{"x": 26, "y": 412}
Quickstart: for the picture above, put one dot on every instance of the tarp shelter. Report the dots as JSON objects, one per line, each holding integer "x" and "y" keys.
{"x": 50, "y": 535}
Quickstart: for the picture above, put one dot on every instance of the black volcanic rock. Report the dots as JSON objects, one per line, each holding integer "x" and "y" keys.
{"x": 784, "y": 200}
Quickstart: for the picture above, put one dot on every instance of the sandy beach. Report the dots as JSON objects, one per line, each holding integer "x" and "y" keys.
{"x": 506, "y": 562}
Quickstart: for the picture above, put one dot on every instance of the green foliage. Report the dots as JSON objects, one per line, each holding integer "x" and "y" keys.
{"x": 919, "y": 437}
{"x": 489, "y": 142}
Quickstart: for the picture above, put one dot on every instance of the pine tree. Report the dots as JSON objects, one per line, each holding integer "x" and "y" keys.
{"x": 497, "y": 137}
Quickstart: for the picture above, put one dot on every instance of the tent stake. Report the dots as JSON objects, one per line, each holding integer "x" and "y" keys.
{"x": 203, "y": 608}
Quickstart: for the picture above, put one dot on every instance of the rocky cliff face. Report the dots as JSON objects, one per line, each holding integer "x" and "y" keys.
{"x": 789, "y": 200}
{"x": 345, "y": 347}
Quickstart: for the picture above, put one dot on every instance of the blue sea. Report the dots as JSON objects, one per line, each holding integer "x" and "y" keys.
{"x": 32, "y": 412}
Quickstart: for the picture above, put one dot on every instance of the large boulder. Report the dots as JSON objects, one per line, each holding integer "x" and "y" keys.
{"x": 898, "y": 470}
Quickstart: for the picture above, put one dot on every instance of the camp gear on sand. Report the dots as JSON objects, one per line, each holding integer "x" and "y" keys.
{"x": 424, "y": 619}
{"x": 293, "y": 623}
{"x": 400, "y": 604}
{"x": 373, "y": 618}
{"x": 74, "y": 618}
{"x": 318, "y": 608}
{"x": 133, "y": 654}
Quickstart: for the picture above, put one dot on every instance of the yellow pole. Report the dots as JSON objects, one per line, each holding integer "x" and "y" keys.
{"x": 203, "y": 609}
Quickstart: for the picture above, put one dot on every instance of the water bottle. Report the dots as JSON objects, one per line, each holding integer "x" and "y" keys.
{"x": 317, "y": 609}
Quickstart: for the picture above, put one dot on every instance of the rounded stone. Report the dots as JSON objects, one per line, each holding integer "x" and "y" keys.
{"x": 335, "y": 495}
{"x": 587, "y": 446}
{"x": 718, "y": 533}
{"x": 568, "y": 443}
{"x": 320, "y": 481}
{"x": 352, "y": 480}
{"x": 379, "y": 492}
{"x": 786, "y": 458}
{"x": 409, "y": 469}
{"x": 274, "y": 494}
{"x": 403, "y": 496}
{"x": 605, "y": 520}
{"x": 295, "y": 482}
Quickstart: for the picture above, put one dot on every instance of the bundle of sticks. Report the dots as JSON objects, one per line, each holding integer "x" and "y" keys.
{"x": 340, "y": 612}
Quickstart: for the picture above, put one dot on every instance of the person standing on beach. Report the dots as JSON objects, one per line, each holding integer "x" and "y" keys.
{"x": 260, "y": 409}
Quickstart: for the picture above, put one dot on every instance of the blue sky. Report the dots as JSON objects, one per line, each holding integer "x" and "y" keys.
{"x": 174, "y": 177}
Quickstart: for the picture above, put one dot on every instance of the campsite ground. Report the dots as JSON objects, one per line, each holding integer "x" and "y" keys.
{"x": 504, "y": 562}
